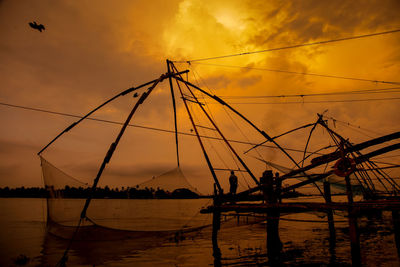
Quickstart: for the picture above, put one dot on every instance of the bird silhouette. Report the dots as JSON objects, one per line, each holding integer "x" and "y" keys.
{"x": 36, "y": 26}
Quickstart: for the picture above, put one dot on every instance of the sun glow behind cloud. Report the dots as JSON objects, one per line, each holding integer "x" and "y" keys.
{"x": 90, "y": 54}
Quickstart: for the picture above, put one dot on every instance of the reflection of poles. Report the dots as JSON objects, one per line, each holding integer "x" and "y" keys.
{"x": 331, "y": 223}
{"x": 274, "y": 244}
{"x": 278, "y": 187}
{"x": 396, "y": 226}
{"x": 353, "y": 228}
{"x": 216, "y": 227}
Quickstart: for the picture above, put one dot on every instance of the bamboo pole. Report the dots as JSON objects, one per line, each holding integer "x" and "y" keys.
{"x": 174, "y": 108}
{"x": 114, "y": 145}
{"x": 216, "y": 227}
{"x": 396, "y": 226}
{"x": 331, "y": 223}
{"x": 353, "y": 227}
{"x": 127, "y": 91}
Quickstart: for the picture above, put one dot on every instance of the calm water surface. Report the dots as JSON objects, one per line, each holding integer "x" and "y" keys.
{"x": 242, "y": 242}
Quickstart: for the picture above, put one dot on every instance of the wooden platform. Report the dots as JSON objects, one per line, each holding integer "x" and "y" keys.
{"x": 391, "y": 204}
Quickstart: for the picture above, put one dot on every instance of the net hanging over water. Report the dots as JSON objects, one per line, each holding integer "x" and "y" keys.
{"x": 169, "y": 181}
{"x": 134, "y": 208}
{"x": 110, "y": 218}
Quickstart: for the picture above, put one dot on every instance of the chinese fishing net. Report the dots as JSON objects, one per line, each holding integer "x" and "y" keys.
{"x": 124, "y": 213}
{"x": 142, "y": 190}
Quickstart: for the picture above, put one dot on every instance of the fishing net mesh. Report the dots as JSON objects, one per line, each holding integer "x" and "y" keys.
{"x": 113, "y": 218}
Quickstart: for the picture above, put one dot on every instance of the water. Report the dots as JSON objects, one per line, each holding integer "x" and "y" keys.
{"x": 242, "y": 243}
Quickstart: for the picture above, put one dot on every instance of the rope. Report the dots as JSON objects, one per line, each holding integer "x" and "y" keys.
{"x": 299, "y": 73}
{"x": 64, "y": 258}
{"x": 361, "y": 91}
{"x": 314, "y": 102}
{"x": 230, "y": 117}
{"x": 292, "y": 46}
{"x": 135, "y": 125}
{"x": 194, "y": 216}
{"x": 352, "y": 125}
{"x": 226, "y": 112}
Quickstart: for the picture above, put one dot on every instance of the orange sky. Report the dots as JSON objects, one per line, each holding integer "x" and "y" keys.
{"x": 89, "y": 53}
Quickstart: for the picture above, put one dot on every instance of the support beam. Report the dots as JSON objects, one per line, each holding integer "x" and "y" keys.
{"x": 114, "y": 145}
{"x": 174, "y": 108}
{"x": 127, "y": 91}
{"x": 331, "y": 223}
{"x": 216, "y": 226}
{"x": 209, "y": 164}
{"x": 336, "y": 155}
{"x": 264, "y": 134}
{"x": 353, "y": 227}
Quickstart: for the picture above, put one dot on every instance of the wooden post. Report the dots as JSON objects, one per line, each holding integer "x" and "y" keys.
{"x": 216, "y": 227}
{"x": 353, "y": 228}
{"x": 274, "y": 244}
{"x": 331, "y": 223}
{"x": 396, "y": 227}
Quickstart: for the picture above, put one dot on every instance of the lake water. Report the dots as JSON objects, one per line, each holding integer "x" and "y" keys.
{"x": 242, "y": 242}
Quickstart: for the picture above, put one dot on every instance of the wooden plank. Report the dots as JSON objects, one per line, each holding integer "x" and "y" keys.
{"x": 306, "y": 206}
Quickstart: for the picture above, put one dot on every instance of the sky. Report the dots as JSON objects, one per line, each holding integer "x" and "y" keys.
{"x": 93, "y": 50}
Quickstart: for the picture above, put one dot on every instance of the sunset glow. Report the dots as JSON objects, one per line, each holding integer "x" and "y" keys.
{"x": 90, "y": 52}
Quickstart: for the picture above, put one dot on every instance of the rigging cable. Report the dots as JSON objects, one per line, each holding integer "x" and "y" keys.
{"x": 365, "y": 91}
{"x": 352, "y": 125}
{"x": 230, "y": 117}
{"x": 313, "y": 102}
{"x": 229, "y": 149}
{"x": 221, "y": 141}
{"x": 291, "y": 46}
{"x": 298, "y": 73}
{"x": 153, "y": 128}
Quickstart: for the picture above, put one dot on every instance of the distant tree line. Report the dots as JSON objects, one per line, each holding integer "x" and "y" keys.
{"x": 106, "y": 192}
{"x": 28, "y": 192}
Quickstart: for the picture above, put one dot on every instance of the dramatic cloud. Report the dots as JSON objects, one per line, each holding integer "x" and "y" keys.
{"x": 92, "y": 51}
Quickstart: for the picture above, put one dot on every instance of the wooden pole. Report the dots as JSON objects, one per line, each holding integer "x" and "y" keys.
{"x": 216, "y": 227}
{"x": 331, "y": 223}
{"x": 114, "y": 145}
{"x": 353, "y": 227}
{"x": 210, "y": 167}
{"x": 396, "y": 226}
{"x": 99, "y": 107}
{"x": 274, "y": 244}
{"x": 174, "y": 108}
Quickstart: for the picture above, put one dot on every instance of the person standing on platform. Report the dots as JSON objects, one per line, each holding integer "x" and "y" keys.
{"x": 233, "y": 182}
{"x": 267, "y": 183}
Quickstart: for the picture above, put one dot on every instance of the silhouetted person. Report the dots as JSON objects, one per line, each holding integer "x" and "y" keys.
{"x": 267, "y": 182}
{"x": 36, "y": 26}
{"x": 233, "y": 182}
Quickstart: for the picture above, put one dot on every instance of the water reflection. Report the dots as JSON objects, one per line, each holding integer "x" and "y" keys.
{"x": 241, "y": 242}
{"x": 97, "y": 252}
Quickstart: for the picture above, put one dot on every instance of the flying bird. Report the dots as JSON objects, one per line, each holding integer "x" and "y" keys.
{"x": 36, "y": 26}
